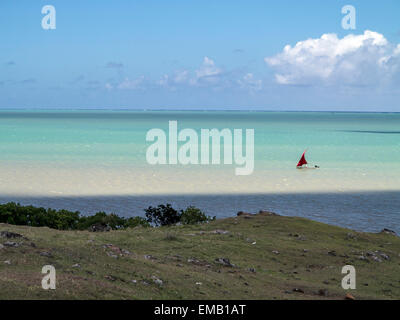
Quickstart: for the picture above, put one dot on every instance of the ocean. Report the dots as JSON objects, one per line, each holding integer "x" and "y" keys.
{"x": 92, "y": 160}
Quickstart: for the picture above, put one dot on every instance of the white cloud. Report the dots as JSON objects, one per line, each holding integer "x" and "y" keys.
{"x": 208, "y": 74}
{"x": 364, "y": 59}
{"x": 207, "y": 69}
{"x": 128, "y": 84}
{"x": 249, "y": 82}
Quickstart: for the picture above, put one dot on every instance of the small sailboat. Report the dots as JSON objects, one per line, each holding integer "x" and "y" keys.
{"x": 303, "y": 164}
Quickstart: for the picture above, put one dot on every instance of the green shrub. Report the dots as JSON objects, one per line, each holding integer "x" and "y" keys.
{"x": 162, "y": 215}
{"x": 193, "y": 215}
{"x": 135, "y": 222}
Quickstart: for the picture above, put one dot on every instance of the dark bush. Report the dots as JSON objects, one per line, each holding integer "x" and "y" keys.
{"x": 193, "y": 215}
{"x": 162, "y": 215}
{"x": 14, "y": 213}
{"x": 136, "y": 221}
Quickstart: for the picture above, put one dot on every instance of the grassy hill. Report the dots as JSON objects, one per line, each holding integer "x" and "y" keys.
{"x": 262, "y": 256}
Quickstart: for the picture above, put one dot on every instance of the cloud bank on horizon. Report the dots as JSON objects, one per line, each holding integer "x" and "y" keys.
{"x": 359, "y": 60}
{"x": 367, "y": 59}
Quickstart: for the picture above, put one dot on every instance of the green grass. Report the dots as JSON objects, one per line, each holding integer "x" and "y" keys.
{"x": 183, "y": 257}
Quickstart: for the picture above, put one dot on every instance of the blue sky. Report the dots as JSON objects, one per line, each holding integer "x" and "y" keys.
{"x": 200, "y": 54}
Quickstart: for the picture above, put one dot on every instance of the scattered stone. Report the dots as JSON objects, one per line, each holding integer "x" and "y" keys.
{"x": 349, "y": 297}
{"x": 149, "y": 257}
{"x": 252, "y": 270}
{"x": 305, "y": 250}
{"x": 323, "y": 292}
{"x": 384, "y": 256}
{"x": 46, "y": 254}
{"x": 224, "y": 262}
{"x": 296, "y": 235}
{"x": 332, "y": 253}
{"x": 33, "y": 245}
{"x": 220, "y": 231}
{"x": 10, "y": 235}
{"x": 375, "y": 258}
{"x": 267, "y": 213}
{"x": 1, "y": 246}
{"x": 325, "y": 282}
{"x": 112, "y": 255}
{"x": 100, "y": 227}
{"x": 351, "y": 236}
{"x": 11, "y": 244}
{"x": 157, "y": 281}
{"x": 241, "y": 213}
{"x": 110, "y": 277}
{"x": 388, "y": 231}
{"x": 298, "y": 290}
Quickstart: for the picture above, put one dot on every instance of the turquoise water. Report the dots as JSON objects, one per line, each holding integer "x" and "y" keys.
{"x": 58, "y": 156}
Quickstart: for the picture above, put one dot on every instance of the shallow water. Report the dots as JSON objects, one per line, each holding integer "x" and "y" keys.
{"x": 95, "y": 160}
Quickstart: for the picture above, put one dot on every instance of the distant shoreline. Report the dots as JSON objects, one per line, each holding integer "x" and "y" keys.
{"x": 192, "y": 110}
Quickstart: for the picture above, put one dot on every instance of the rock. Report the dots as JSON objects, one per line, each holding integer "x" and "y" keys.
{"x": 10, "y": 235}
{"x": 241, "y": 213}
{"x": 388, "y": 231}
{"x": 224, "y": 262}
{"x": 298, "y": 290}
{"x": 383, "y": 255}
{"x": 127, "y": 252}
{"x": 76, "y": 265}
{"x": 7, "y": 262}
{"x": 100, "y": 227}
{"x": 198, "y": 283}
{"x": 252, "y": 270}
{"x": 11, "y": 244}
{"x": 267, "y": 213}
{"x": 149, "y": 257}
{"x": 1, "y": 246}
{"x": 157, "y": 281}
{"x": 275, "y": 252}
{"x": 112, "y": 255}
{"x": 349, "y": 297}
{"x": 332, "y": 253}
{"x": 219, "y": 231}
{"x": 46, "y": 254}
{"x": 323, "y": 292}
{"x": 351, "y": 236}
{"x": 134, "y": 281}
{"x": 110, "y": 277}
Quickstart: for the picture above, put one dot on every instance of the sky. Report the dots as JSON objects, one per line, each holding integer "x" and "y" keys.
{"x": 181, "y": 54}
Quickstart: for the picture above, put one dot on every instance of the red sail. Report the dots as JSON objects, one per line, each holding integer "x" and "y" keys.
{"x": 302, "y": 160}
